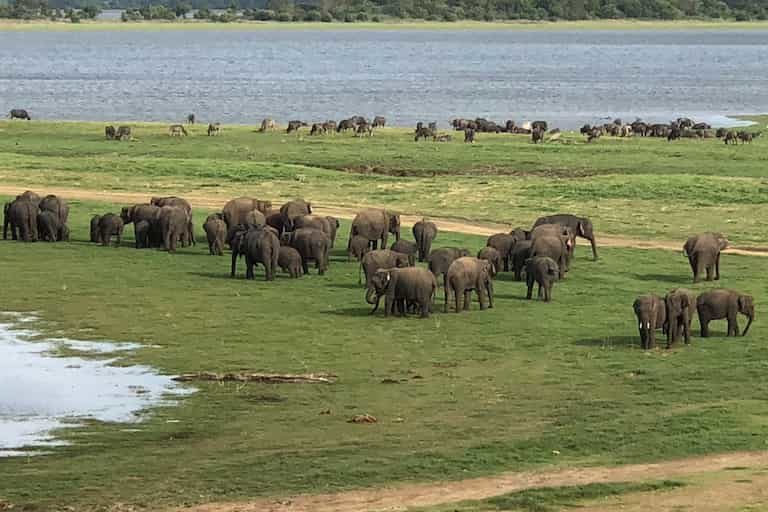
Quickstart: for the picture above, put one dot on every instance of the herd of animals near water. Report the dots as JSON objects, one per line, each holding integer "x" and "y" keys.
{"x": 291, "y": 237}
{"x": 681, "y": 128}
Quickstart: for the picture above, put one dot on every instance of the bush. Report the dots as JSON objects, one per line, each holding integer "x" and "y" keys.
{"x": 326, "y": 18}
{"x": 284, "y": 17}
{"x": 348, "y": 18}
{"x": 449, "y": 16}
{"x": 312, "y": 16}
{"x": 362, "y": 16}
{"x": 376, "y": 19}
{"x": 264, "y": 15}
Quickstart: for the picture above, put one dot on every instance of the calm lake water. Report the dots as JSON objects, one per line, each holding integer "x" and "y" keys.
{"x": 565, "y": 77}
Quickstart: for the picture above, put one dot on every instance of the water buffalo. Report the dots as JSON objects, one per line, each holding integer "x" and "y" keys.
{"x": 268, "y": 125}
{"x": 177, "y": 130}
{"x": 19, "y": 113}
{"x": 379, "y": 122}
{"x": 109, "y": 132}
{"x": 214, "y": 129}
{"x": 293, "y": 126}
{"x": 123, "y": 133}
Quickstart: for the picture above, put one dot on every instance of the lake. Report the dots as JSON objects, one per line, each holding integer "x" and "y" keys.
{"x": 242, "y": 76}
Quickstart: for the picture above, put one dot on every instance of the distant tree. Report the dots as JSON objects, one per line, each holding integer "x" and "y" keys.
{"x": 182, "y": 9}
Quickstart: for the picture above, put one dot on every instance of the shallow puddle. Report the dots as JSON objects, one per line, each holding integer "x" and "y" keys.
{"x": 41, "y": 391}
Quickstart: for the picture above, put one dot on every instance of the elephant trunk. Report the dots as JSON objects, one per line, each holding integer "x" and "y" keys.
{"x": 594, "y": 248}
{"x": 371, "y": 297}
{"x": 749, "y": 323}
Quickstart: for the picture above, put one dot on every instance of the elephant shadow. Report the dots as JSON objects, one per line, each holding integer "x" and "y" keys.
{"x": 347, "y": 286}
{"x": 617, "y": 341}
{"x": 506, "y": 277}
{"x": 520, "y": 297}
{"x": 352, "y": 311}
{"x": 219, "y": 275}
{"x": 677, "y": 279}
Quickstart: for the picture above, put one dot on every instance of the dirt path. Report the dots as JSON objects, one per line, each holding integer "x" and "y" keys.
{"x": 212, "y": 201}
{"x": 391, "y": 499}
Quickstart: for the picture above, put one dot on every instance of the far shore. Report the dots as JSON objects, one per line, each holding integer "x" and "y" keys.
{"x": 45, "y": 25}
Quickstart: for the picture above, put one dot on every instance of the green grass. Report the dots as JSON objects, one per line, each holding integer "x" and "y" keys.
{"x": 555, "y": 498}
{"x": 524, "y": 385}
{"x": 635, "y": 187}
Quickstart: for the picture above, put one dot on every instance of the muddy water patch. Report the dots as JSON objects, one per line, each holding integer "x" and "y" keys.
{"x": 42, "y": 391}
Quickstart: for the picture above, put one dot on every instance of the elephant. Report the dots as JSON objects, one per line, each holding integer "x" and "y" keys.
{"x": 292, "y": 209}
{"x": 312, "y": 244}
{"x": 581, "y": 227}
{"x": 555, "y": 247}
{"x": 110, "y": 225}
{"x": 651, "y": 315}
{"x": 275, "y": 220}
{"x": 258, "y": 245}
{"x": 313, "y": 221}
{"x": 289, "y": 260}
{"x": 376, "y": 224}
{"x": 48, "y": 229}
{"x": 59, "y": 208}
{"x": 556, "y": 230}
{"x": 424, "y": 232}
{"x": 357, "y": 246}
{"x": 520, "y": 234}
{"x": 401, "y": 287}
{"x": 182, "y": 204}
{"x": 19, "y": 113}
{"x": 333, "y": 224}
{"x": 721, "y": 303}
{"x": 173, "y": 222}
{"x": 148, "y": 213}
{"x": 544, "y": 271}
{"x": 440, "y": 260}
{"x": 95, "y": 228}
{"x": 215, "y": 231}
{"x": 703, "y": 253}
{"x": 492, "y": 255}
{"x": 502, "y": 242}
{"x": 110, "y": 132}
{"x": 406, "y": 247}
{"x": 142, "y": 231}
{"x": 21, "y": 217}
{"x": 235, "y": 210}
{"x": 466, "y": 274}
{"x": 521, "y": 252}
{"x": 254, "y": 218}
{"x": 680, "y": 304}
{"x": 377, "y": 259}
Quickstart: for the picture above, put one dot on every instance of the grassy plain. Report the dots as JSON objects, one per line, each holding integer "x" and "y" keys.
{"x": 524, "y": 385}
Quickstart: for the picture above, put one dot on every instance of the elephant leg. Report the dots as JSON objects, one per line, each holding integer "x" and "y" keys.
{"x": 424, "y": 305}
{"x": 687, "y": 328}
{"x": 694, "y": 268}
{"x": 642, "y": 337}
{"x": 652, "y": 337}
{"x": 733, "y": 326}
{"x": 457, "y": 297}
{"x": 708, "y": 270}
{"x": 248, "y": 267}
{"x": 548, "y": 292}
{"x": 234, "y": 263}
{"x": 481, "y": 296}
{"x": 704, "y": 326}
{"x": 529, "y": 282}
{"x": 467, "y": 299}
{"x": 717, "y": 267}
{"x": 489, "y": 291}
{"x": 304, "y": 265}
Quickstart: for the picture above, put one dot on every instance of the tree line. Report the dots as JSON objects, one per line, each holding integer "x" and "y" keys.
{"x": 378, "y": 10}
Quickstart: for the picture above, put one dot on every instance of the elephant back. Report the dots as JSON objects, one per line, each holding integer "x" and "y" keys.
{"x": 371, "y": 223}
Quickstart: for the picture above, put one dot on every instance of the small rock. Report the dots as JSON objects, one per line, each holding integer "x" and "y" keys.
{"x": 363, "y": 418}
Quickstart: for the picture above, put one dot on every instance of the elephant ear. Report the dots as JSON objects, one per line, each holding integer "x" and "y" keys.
{"x": 743, "y": 302}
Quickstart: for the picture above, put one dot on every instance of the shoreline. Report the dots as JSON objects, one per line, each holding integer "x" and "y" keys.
{"x": 623, "y": 25}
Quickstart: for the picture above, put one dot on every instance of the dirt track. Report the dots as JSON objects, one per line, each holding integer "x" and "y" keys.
{"x": 400, "y": 498}
{"x": 346, "y": 212}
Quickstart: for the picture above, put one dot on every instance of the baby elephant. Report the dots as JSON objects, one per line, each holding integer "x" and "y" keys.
{"x": 651, "y": 315}
{"x": 110, "y": 225}
{"x": 681, "y": 304}
{"x": 95, "y": 235}
{"x": 215, "y": 231}
{"x": 465, "y": 275}
{"x": 720, "y": 303}
{"x": 491, "y": 255}
{"x": 402, "y": 287}
{"x": 141, "y": 234}
{"x": 408, "y": 248}
{"x": 289, "y": 260}
{"x": 357, "y": 247}
{"x": 545, "y": 272}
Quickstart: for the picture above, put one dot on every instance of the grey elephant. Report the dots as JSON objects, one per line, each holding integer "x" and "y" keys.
{"x": 313, "y": 245}
{"x": 680, "y": 304}
{"x": 333, "y": 224}
{"x": 313, "y": 221}
{"x": 544, "y": 272}
{"x": 95, "y": 228}
{"x": 142, "y": 231}
{"x": 492, "y": 255}
{"x": 555, "y": 247}
{"x": 215, "y": 232}
{"x": 292, "y": 209}
{"x": 406, "y": 247}
{"x": 357, "y": 246}
{"x": 703, "y": 253}
{"x": 21, "y": 218}
{"x": 183, "y": 204}
{"x": 48, "y": 229}
{"x": 439, "y": 260}
{"x": 502, "y": 242}
{"x": 275, "y": 220}
{"x": 173, "y": 222}
{"x": 110, "y": 225}
{"x": 60, "y": 209}
{"x": 720, "y": 303}
{"x": 556, "y": 230}
{"x": 258, "y": 245}
{"x": 289, "y": 260}
{"x": 377, "y": 259}
{"x": 145, "y": 212}
{"x": 401, "y": 287}
{"x": 581, "y": 226}
{"x": 424, "y": 232}
{"x": 520, "y": 254}
{"x": 651, "y": 315}
{"x": 376, "y": 224}
{"x": 235, "y": 211}
{"x": 465, "y": 275}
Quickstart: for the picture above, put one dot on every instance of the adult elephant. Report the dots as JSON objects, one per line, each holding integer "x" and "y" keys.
{"x": 378, "y": 259}
{"x": 439, "y": 260}
{"x": 376, "y": 224}
{"x": 313, "y": 245}
{"x": 314, "y": 222}
{"x": 174, "y": 226}
{"x": 145, "y": 213}
{"x": 465, "y": 275}
{"x": 182, "y": 204}
{"x": 21, "y": 218}
{"x": 555, "y": 247}
{"x": 424, "y": 232}
{"x": 520, "y": 254}
{"x": 402, "y": 287}
{"x": 60, "y": 209}
{"x": 333, "y": 224}
{"x": 110, "y": 225}
{"x": 406, "y": 247}
{"x": 293, "y": 209}
{"x": 721, "y": 303}
{"x": 680, "y": 304}
{"x": 557, "y": 230}
{"x": 503, "y": 243}
{"x": 651, "y": 315}
{"x": 236, "y": 210}
{"x": 258, "y": 245}
{"x": 581, "y": 227}
{"x": 703, "y": 253}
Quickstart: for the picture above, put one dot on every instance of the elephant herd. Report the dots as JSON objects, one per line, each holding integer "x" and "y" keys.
{"x": 30, "y": 218}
